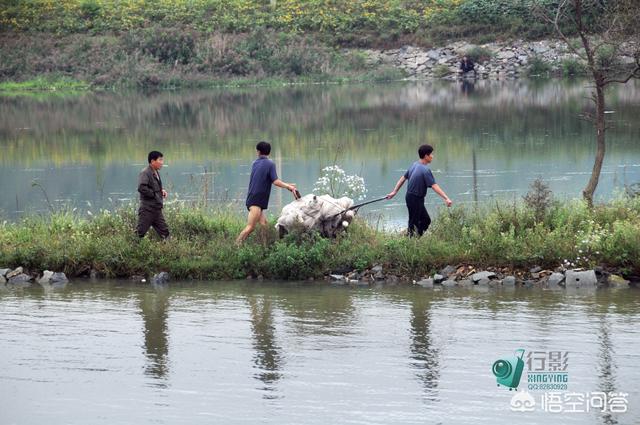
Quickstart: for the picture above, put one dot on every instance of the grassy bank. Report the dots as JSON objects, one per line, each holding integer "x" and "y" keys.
{"x": 203, "y": 43}
{"x": 506, "y": 235}
{"x": 157, "y": 57}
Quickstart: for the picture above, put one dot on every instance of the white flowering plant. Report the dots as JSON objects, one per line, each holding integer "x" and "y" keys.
{"x": 336, "y": 182}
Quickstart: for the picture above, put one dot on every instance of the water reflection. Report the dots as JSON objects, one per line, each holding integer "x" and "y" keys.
{"x": 425, "y": 355}
{"x": 489, "y": 137}
{"x": 267, "y": 357}
{"x": 154, "y": 306}
{"x": 606, "y": 365}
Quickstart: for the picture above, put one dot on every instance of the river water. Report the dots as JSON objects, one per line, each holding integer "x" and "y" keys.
{"x": 306, "y": 353}
{"x": 492, "y": 139}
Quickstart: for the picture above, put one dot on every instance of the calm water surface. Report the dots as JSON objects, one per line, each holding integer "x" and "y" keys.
{"x": 492, "y": 139}
{"x": 275, "y": 353}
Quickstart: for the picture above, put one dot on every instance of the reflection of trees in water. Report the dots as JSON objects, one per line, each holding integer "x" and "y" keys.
{"x": 424, "y": 353}
{"x": 267, "y": 358}
{"x": 153, "y": 308}
{"x": 606, "y": 365}
{"x": 63, "y": 128}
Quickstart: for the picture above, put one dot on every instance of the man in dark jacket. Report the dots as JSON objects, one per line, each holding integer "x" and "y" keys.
{"x": 152, "y": 198}
{"x": 466, "y": 65}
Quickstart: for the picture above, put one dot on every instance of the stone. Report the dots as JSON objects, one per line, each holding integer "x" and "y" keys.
{"x": 422, "y": 59}
{"x": 482, "y": 275}
{"x": 484, "y": 282}
{"x": 336, "y": 277}
{"x": 437, "y": 278}
{"x": 59, "y": 278}
{"x": 448, "y": 271}
{"x": 20, "y": 278}
{"x": 392, "y": 279}
{"x": 529, "y": 283}
{"x": 555, "y": 279}
{"x": 2, "y": 280}
{"x": 425, "y": 283}
{"x": 535, "y": 275}
{"x": 580, "y": 278}
{"x": 509, "y": 281}
{"x": 465, "y": 282}
{"x": 615, "y": 280}
{"x": 449, "y": 283}
{"x": 13, "y": 273}
{"x": 160, "y": 278}
{"x": 3, "y": 272}
{"x": 46, "y": 277}
{"x": 376, "y": 269}
{"x": 379, "y": 275}
{"x": 433, "y": 54}
{"x": 535, "y": 269}
{"x": 505, "y": 54}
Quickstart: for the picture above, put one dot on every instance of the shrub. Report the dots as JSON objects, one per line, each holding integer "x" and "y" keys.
{"x": 441, "y": 70}
{"x": 539, "y": 198}
{"x": 166, "y": 45}
{"x": 572, "y": 67}
{"x": 479, "y": 54}
{"x": 538, "y": 68}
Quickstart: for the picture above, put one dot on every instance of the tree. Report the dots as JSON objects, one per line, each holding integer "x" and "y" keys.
{"x": 609, "y": 34}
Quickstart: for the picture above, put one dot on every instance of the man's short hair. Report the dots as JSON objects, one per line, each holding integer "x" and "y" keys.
{"x": 424, "y": 150}
{"x": 264, "y": 148}
{"x": 153, "y": 155}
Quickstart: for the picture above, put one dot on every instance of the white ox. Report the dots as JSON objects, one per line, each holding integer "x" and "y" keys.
{"x": 324, "y": 214}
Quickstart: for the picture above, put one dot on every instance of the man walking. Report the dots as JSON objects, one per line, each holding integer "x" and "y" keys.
{"x": 263, "y": 175}
{"x": 420, "y": 178}
{"x": 152, "y": 198}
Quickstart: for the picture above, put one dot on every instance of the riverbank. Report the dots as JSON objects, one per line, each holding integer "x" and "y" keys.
{"x": 507, "y": 238}
{"x": 155, "y": 59}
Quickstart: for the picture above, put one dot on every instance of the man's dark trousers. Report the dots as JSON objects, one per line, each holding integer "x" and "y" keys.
{"x": 152, "y": 218}
{"x": 419, "y": 219}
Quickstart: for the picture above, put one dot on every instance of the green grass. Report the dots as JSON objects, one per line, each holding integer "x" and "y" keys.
{"x": 202, "y": 246}
{"x": 44, "y": 84}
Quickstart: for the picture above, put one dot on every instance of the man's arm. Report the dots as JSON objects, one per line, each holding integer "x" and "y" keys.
{"x": 144, "y": 188}
{"x": 441, "y": 193}
{"x": 289, "y": 186}
{"x": 395, "y": 190}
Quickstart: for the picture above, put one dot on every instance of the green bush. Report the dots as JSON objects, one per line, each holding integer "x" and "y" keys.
{"x": 538, "y": 68}
{"x": 573, "y": 67}
{"x": 479, "y": 54}
{"x": 167, "y": 45}
{"x": 441, "y": 70}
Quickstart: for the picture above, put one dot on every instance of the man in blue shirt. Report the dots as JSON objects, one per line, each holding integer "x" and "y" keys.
{"x": 420, "y": 178}
{"x": 263, "y": 175}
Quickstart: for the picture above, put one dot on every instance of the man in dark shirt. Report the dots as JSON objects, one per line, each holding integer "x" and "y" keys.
{"x": 263, "y": 175}
{"x": 466, "y": 65}
{"x": 152, "y": 198}
{"x": 420, "y": 178}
